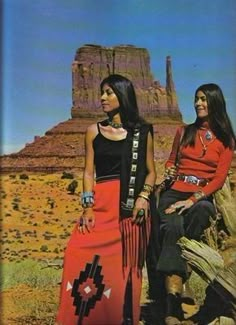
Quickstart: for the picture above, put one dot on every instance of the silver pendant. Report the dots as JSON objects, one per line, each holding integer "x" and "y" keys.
{"x": 208, "y": 135}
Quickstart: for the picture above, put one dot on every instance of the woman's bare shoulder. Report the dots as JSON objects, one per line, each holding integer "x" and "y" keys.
{"x": 92, "y": 127}
{"x": 92, "y": 130}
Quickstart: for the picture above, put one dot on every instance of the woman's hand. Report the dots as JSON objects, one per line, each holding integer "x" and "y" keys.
{"x": 179, "y": 206}
{"x": 87, "y": 221}
{"x": 170, "y": 172}
{"x": 140, "y": 211}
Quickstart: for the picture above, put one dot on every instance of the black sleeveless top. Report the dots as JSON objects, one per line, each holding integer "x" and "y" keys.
{"x": 107, "y": 156}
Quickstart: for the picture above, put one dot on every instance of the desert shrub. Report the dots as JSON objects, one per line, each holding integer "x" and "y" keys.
{"x": 44, "y": 248}
{"x": 15, "y": 182}
{"x": 51, "y": 202}
{"x": 67, "y": 175}
{"x": 56, "y": 250}
{"x": 24, "y": 176}
{"x": 36, "y": 311}
{"x": 72, "y": 186}
{"x": 4, "y": 195}
{"x": 15, "y": 203}
{"x": 16, "y": 199}
{"x": 29, "y": 272}
{"x": 15, "y": 206}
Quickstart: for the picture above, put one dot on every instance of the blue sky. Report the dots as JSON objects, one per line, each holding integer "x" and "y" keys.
{"x": 40, "y": 39}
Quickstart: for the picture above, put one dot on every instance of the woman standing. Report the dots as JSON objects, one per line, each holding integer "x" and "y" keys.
{"x": 106, "y": 252}
{"x": 205, "y": 150}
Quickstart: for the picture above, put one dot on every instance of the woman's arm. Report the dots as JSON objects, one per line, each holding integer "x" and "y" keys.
{"x": 221, "y": 172}
{"x": 88, "y": 175}
{"x": 175, "y": 148}
{"x": 88, "y": 220}
{"x": 151, "y": 171}
{"x": 142, "y": 202}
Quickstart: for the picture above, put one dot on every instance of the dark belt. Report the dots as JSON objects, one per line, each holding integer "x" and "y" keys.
{"x": 107, "y": 178}
{"x": 192, "y": 180}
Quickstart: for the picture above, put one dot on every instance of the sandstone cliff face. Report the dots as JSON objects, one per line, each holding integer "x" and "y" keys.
{"x": 93, "y": 63}
{"x": 62, "y": 147}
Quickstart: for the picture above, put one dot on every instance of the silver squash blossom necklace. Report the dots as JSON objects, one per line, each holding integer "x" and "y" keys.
{"x": 210, "y": 138}
{"x": 208, "y": 135}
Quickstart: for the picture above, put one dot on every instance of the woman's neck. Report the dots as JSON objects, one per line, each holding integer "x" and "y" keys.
{"x": 203, "y": 123}
{"x": 114, "y": 116}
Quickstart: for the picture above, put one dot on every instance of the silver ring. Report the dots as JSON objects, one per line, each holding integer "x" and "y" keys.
{"x": 141, "y": 212}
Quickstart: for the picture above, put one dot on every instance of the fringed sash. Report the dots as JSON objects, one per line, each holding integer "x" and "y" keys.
{"x": 135, "y": 240}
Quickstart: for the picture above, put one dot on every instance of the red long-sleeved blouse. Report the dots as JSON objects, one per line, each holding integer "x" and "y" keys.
{"x": 214, "y": 165}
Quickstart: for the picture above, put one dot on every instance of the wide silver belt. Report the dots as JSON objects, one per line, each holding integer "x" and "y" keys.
{"x": 192, "y": 180}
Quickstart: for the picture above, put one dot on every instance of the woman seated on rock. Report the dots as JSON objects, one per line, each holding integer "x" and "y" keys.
{"x": 199, "y": 163}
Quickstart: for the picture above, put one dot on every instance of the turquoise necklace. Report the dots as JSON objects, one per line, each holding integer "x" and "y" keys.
{"x": 115, "y": 125}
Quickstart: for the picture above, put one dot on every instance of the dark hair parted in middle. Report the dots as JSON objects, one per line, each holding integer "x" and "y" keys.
{"x": 217, "y": 118}
{"x": 124, "y": 90}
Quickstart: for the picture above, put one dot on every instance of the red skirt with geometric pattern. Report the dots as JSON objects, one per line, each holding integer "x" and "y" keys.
{"x": 94, "y": 279}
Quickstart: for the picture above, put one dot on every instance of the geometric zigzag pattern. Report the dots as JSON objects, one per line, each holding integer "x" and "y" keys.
{"x": 82, "y": 288}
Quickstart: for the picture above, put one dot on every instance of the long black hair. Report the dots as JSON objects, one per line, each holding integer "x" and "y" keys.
{"x": 124, "y": 90}
{"x": 218, "y": 119}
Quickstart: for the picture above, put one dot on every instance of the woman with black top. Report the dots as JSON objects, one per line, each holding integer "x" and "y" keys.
{"x": 106, "y": 252}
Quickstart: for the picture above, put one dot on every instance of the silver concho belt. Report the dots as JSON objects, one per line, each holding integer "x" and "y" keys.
{"x": 130, "y": 199}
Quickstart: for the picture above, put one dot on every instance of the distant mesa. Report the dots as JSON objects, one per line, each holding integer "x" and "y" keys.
{"x": 93, "y": 63}
{"x": 62, "y": 147}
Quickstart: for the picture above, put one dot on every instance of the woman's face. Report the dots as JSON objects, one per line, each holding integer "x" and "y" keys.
{"x": 200, "y": 104}
{"x": 109, "y": 99}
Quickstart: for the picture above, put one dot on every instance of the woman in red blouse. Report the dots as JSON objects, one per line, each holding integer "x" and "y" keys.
{"x": 205, "y": 150}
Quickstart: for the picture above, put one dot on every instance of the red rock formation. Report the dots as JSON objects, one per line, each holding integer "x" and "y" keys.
{"x": 62, "y": 147}
{"x": 93, "y": 63}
